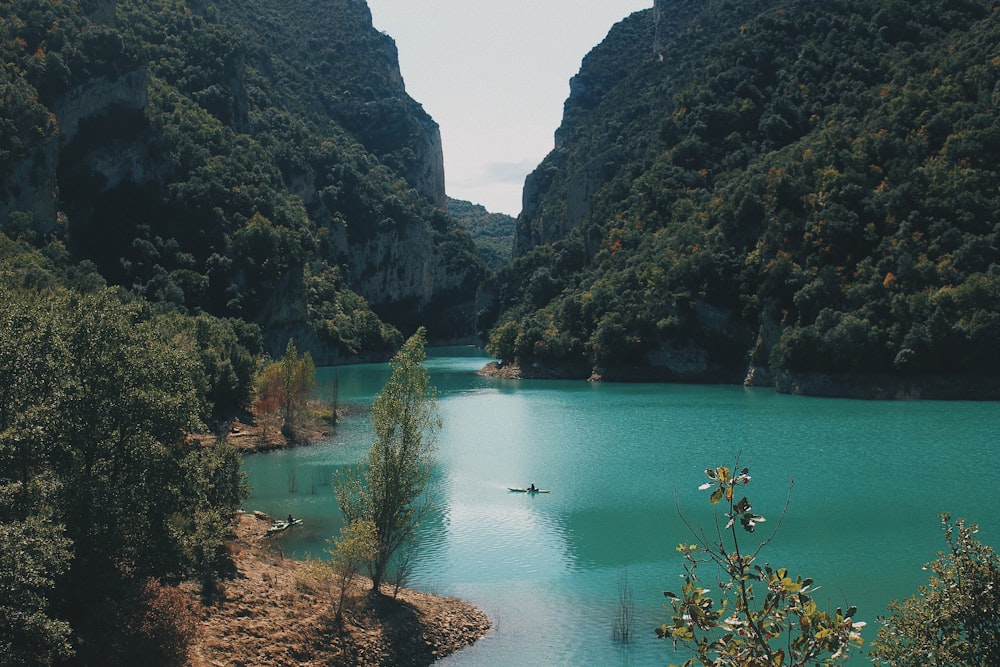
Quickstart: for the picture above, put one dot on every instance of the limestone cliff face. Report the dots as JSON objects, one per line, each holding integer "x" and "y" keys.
{"x": 558, "y": 195}
{"x": 400, "y": 270}
{"x": 99, "y": 97}
{"x": 308, "y": 83}
{"x": 594, "y": 139}
{"x": 362, "y": 87}
{"x": 404, "y": 136}
{"x": 31, "y": 187}
{"x": 661, "y": 14}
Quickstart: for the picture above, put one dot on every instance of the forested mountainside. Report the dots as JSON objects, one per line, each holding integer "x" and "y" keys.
{"x": 802, "y": 194}
{"x": 250, "y": 159}
{"x": 493, "y": 233}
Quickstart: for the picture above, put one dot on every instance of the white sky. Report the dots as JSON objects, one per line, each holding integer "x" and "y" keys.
{"x": 494, "y": 75}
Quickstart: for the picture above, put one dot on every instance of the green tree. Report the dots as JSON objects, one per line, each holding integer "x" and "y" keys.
{"x": 388, "y": 491}
{"x": 94, "y": 444}
{"x": 503, "y": 341}
{"x": 229, "y": 350}
{"x": 33, "y": 553}
{"x": 215, "y": 485}
{"x": 356, "y": 546}
{"x": 955, "y": 619}
{"x": 298, "y": 374}
{"x": 284, "y": 388}
{"x": 740, "y": 628}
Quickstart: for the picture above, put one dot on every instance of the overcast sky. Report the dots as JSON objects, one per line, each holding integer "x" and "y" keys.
{"x": 494, "y": 74}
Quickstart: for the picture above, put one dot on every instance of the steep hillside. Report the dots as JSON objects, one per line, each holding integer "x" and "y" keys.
{"x": 800, "y": 195}
{"x": 493, "y": 233}
{"x": 247, "y": 159}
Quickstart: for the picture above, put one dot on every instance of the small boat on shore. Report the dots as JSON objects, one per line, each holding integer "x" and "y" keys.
{"x": 517, "y": 490}
{"x": 279, "y": 526}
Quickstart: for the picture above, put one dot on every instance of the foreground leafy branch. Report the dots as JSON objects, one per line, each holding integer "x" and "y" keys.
{"x": 736, "y": 627}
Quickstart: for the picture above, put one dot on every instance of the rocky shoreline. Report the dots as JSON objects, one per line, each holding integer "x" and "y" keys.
{"x": 868, "y": 386}
{"x": 278, "y": 612}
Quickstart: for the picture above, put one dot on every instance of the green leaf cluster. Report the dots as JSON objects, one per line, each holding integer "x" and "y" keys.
{"x": 953, "y": 620}
{"x": 736, "y": 626}
{"x": 100, "y": 489}
{"x": 356, "y": 546}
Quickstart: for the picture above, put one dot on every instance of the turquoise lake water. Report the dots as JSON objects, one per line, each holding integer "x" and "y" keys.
{"x": 624, "y": 461}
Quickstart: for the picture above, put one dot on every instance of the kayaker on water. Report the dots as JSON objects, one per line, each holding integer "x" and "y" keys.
{"x": 532, "y": 487}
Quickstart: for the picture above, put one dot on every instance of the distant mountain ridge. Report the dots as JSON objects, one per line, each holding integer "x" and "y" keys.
{"x": 493, "y": 233}
{"x": 795, "y": 195}
{"x": 247, "y": 159}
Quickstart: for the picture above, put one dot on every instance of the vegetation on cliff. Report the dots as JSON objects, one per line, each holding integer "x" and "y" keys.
{"x": 493, "y": 233}
{"x": 803, "y": 188}
{"x": 240, "y": 159}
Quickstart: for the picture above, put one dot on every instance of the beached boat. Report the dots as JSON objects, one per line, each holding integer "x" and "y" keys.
{"x": 279, "y": 526}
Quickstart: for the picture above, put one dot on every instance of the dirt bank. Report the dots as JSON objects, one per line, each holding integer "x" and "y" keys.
{"x": 277, "y": 613}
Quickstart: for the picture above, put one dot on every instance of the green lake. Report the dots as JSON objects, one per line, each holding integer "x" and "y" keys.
{"x": 624, "y": 462}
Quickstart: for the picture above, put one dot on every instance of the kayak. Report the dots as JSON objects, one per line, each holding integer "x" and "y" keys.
{"x": 279, "y": 526}
{"x": 528, "y": 490}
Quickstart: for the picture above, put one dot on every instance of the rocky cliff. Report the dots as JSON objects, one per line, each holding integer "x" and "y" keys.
{"x": 240, "y": 158}
{"x": 362, "y": 88}
{"x": 591, "y": 141}
{"x": 605, "y": 124}
{"x": 558, "y": 193}
{"x": 786, "y": 194}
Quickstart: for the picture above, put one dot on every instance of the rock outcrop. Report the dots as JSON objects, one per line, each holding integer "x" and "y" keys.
{"x": 559, "y": 193}
{"x": 593, "y": 141}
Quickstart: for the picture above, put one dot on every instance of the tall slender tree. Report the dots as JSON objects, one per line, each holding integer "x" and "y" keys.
{"x": 388, "y": 490}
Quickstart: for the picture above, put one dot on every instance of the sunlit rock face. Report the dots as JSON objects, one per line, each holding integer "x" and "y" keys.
{"x": 661, "y": 13}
